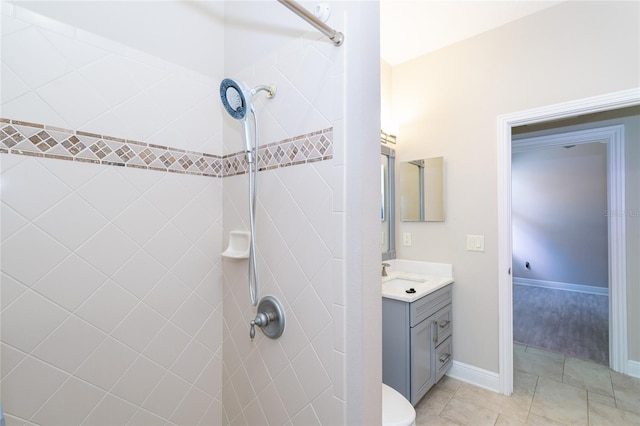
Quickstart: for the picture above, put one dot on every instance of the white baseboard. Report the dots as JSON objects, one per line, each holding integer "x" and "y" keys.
{"x": 633, "y": 368}
{"x": 475, "y": 376}
{"x": 580, "y": 288}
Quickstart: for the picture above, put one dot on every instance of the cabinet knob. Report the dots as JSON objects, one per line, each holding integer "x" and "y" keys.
{"x": 444, "y": 323}
{"x": 445, "y": 358}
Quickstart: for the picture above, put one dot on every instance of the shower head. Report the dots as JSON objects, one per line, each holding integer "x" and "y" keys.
{"x": 236, "y": 98}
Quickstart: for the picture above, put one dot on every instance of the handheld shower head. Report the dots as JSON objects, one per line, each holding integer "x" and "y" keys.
{"x": 237, "y": 100}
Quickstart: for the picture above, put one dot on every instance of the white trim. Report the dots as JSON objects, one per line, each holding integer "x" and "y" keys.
{"x": 633, "y": 368}
{"x": 578, "y": 288}
{"x": 476, "y": 376}
{"x": 505, "y": 122}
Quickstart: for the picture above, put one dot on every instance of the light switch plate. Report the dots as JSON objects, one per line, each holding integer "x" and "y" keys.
{"x": 475, "y": 242}
{"x": 406, "y": 239}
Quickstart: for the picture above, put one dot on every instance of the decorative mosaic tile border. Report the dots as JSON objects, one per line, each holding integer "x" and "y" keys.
{"x": 38, "y": 140}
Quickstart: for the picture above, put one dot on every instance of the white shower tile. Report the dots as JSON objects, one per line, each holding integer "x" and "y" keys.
{"x": 254, "y": 415}
{"x": 140, "y": 274}
{"x": 168, "y": 195}
{"x": 108, "y": 249}
{"x": 209, "y": 380}
{"x": 192, "y": 220}
{"x": 70, "y": 404}
{"x": 339, "y": 379}
{"x": 192, "y": 407}
{"x": 164, "y": 399}
{"x": 11, "y": 221}
{"x": 71, "y": 222}
{"x": 29, "y": 67}
{"x": 143, "y": 417}
{"x": 109, "y": 77}
{"x": 230, "y": 403}
{"x": 106, "y": 364}
{"x": 10, "y": 290}
{"x": 73, "y": 174}
{"x": 311, "y": 252}
{"x": 101, "y": 42}
{"x": 136, "y": 384}
{"x": 108, "y": 192}
{"x": 111, "y": 411}
{"x": 210, "y": 334}
{"x": 323, "y": 345}
{"x": 310, "y": 373}
{"x": 306, "y": 417}
{"x": 311, "y": 313}
{"x": 107, "y": 306}
{"x": 144, "y": 114}
{"x": 192, "y": 267}
{"x": 191, "y": 361}
{"x": 69, "y": 344}
{"x": 11, "y": 358}
{"x": 177, "y": 93}
{"x": 12, "y": 85}
{"x": 339, "y": 323}
{"x": 42, "y": 21}
{"x": 9, "y": 23}
{"x": 293, "y": 339}
{"x": 272, "y": 405}
{"x": 242, "y": 385}
{"x": 323, "y": 407}
{"x": 140, "y": 221}
{"x": 32, "y": 383}
{"x": 30, "y": 177}
{"x": 139, "y": 327}
{"x": 32, "y": 108}
{"x": 294, "y": 398}
{"x": 167, "y": 296}
{"x": 192, "y": 314}
{"x": 168, "y": 245}
{"x": 73, "y": 98}
{"x": 291, "y": 279}
{"x": 167, "y": 345}
{"x": 323, "y": 285}
{"x": 76, "y": 52}
{"x": 210, "y": 288}
{"x": 110, "y": 123}
{"x": 29, "y": 320}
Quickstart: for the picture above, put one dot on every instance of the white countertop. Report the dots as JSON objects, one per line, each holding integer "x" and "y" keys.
{"x": 396, "y": 284}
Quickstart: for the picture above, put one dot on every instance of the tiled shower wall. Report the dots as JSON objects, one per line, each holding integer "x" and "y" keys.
{"x": 111, "y": 276}
{"x": 297, "y": 378}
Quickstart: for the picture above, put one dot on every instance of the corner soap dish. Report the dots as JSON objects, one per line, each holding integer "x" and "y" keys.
{"x": 238, "y": 245}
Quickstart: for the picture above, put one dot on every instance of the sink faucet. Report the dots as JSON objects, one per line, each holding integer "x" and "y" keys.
{"x": 384, "y": 269}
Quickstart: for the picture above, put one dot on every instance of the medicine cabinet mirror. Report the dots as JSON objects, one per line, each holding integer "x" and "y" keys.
{"x": 387, "y": 207}
{"x": 421, "y": 190}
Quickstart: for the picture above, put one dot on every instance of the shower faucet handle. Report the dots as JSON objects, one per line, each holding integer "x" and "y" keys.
{"x": 270, "y": 318}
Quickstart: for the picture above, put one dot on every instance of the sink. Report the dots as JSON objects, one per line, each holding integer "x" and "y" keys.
{"x": 409, "y": 289}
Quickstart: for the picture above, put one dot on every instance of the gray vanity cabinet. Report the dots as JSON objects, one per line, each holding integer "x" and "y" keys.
{"x": 416, "y": 342}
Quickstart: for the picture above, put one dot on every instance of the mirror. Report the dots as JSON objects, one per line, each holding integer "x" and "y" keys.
{"x": 387, "y": 207}
{"x": 421, "y": 188}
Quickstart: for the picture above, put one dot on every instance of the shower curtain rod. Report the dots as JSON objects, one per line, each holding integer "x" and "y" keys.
{"x": 335, "y": 36}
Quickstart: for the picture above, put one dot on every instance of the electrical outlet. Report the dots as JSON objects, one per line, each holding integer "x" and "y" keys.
{"x": 406, "y": 239}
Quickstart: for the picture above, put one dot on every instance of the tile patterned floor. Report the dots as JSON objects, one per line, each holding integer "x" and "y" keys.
{"x": 549, "y": 389}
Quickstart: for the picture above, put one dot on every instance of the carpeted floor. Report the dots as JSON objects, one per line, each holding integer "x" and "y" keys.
{"x": 568, "y": 322}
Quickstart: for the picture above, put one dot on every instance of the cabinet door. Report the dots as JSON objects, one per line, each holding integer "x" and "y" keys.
{"x": 422, "y": 371}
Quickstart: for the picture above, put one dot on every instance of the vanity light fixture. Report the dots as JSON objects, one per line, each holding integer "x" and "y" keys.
{"x": 387, "y": 137}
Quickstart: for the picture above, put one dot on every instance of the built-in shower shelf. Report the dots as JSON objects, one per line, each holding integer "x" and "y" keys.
{"x": 238, "y": 245}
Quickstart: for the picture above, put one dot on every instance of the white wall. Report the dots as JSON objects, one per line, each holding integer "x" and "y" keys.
{"x": 447, "y": 102}
{"x": 559, "y": 203}
{"x": 111, "y": 278}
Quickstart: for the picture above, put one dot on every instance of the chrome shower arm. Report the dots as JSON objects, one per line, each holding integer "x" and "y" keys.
{"x": 335, "y": 36}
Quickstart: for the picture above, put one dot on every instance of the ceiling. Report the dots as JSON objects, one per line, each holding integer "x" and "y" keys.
{"x": 409, "y": 29}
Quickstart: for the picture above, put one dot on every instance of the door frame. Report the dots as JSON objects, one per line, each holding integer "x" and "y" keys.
{"x": 617, "y": 266}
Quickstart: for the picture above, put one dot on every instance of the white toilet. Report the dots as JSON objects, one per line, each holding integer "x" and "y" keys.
{"x": 396, "y": 410}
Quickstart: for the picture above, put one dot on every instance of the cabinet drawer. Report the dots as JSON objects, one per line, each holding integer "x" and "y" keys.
{"x": 429, "y": 305}
{"x": 442, "y": 324}
{"x": 444, "y": 358}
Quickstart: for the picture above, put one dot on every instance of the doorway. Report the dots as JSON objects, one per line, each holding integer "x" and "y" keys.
{"x": 617, "y": 272}
{"x": 560, "y": 247}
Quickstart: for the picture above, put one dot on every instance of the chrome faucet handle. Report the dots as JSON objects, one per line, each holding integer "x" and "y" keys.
{"x": 384, "y": 269}
{"x": 270, "y": 318}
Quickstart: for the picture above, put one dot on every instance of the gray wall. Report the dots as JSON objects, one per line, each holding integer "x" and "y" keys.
{"x": 559, "y": 198}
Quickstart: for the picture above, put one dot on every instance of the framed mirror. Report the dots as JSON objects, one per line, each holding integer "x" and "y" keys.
{"x": 421, "y": 190}
{"x": 387, "y": 206}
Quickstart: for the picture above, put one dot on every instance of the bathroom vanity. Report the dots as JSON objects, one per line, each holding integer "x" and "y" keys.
{"x": 416, "y": 332}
